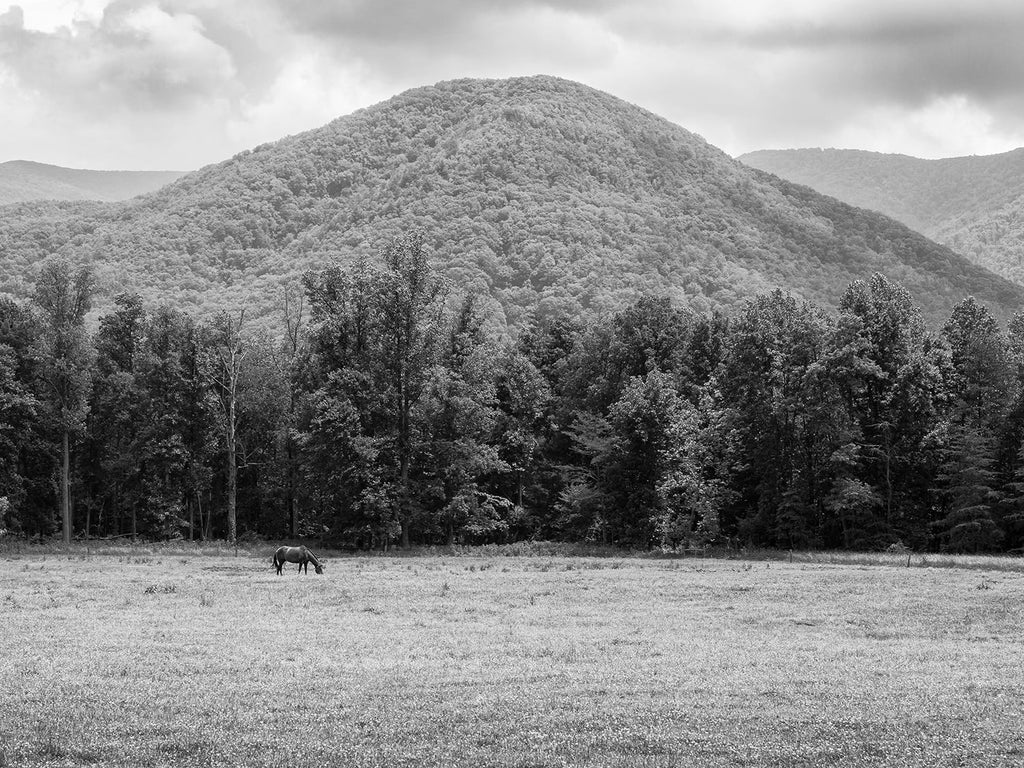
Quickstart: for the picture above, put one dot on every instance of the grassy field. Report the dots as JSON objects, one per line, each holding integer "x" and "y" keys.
{"x": 143, "y": 657}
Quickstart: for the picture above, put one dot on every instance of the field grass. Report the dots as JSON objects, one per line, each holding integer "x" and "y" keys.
{"x": 194, "y": 657}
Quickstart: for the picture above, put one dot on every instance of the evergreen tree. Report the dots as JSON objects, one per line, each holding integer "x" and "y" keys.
{"x": 978, "y": 397}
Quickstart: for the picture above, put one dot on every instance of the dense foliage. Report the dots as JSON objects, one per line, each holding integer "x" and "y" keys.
{"x": 972, "y": 204}
{"x": 541, "y": 196}
{"x": 394, "y": 414}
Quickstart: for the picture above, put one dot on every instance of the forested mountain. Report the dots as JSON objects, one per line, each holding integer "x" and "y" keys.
{"x": 23, "y": 181}
{"x": 975, "y": 205}
{"x": 541, "y": 195}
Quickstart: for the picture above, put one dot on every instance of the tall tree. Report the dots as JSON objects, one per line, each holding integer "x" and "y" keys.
{"x": 973, "y": 439}
{"x": 293, "y": 347}
{"x": 411, "y": 305}
{"x": 887, "y": 367}
{"x": 777, "y": 411}
{"x": 114, "y": 456}
{"x": 228, "y": 351}
{"x": 62, "y": 296}
{"x": 18, "y": 412}
{"x": 402, "y": 392}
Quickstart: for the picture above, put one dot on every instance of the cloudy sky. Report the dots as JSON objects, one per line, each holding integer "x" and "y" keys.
{"x": 175, "y": 84}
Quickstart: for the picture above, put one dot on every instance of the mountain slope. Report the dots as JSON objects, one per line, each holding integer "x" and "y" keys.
{"x": 973, "y": 204}
{"x": 22, "y": 181}
{"x": 546, "y": 194}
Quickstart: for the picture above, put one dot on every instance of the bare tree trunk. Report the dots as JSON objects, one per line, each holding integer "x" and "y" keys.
{"x": 404, "y": 451}
{"x": 293, "y": 495}
{"x": 293, "y": 325}
{"x": 204, "y": 522}
{"x": 232, "y": 471}
{"x": 65, "y": 487}
{"x": 404, "y": 519}
{"x": 231, "y": 351}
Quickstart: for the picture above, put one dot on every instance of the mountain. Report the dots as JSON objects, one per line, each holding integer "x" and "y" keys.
{"x": 22, "y": 181}
{"x": 546, "y": 195}
{"x": 975, "y": 205}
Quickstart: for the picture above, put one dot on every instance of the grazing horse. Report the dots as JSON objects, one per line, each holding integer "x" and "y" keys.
{"x": 299, "y": 555}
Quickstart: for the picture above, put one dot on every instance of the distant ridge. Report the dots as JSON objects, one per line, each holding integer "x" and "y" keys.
{"x": 973, "y": 204}
{"x": 23, "y": 181}
{"x": 543, "y": 195}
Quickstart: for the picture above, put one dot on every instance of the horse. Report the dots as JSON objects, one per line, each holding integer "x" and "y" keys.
{"x": 299, "y": 555}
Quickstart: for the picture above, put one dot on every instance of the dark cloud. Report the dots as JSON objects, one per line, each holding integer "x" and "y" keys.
{"x": 974, "y": 52}
{"x": 744, "y": 73}
{"x": 419, "y": 22}
{"x": 397, "y": 39}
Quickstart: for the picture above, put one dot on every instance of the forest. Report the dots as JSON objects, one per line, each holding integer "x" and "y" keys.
{"x": 389, "y": 413}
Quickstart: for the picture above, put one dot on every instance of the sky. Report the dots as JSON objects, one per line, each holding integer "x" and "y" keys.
{"x": 177, "y": 84}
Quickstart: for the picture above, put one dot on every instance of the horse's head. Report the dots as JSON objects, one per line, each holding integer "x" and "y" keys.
{"x": 319, "y": 568}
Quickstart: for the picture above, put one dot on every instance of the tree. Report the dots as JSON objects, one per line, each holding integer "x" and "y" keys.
{"x": 19, "y": 416}
{"x": 62, "y": 296}
{"x": 972, "y": 439}
{"x": 615, "y": 491}
{"x": 400, "y": 392}
{"x": 968, "y": 488}
{"x": 411, "y": 300}
{"x": 887, "y": 369}
{"x": 293, "y": 346}
{"x": 115, "y": 412}
{"x": 777, "y": 413}
{"x": 522, "y": 397}
{"x": 695, "y": 486}
{"x": 228, "y": 351}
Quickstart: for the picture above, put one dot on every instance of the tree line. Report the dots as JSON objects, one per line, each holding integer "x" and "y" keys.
{"x": 389, "y": 414}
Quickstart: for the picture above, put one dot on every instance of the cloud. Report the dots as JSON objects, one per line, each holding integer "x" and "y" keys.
{"x": 972, "y": 51}
{"x": 136, "y": 57}
{"x": 445, "y": 39}
{"x": 806, "y": 73}
{"x": 745, "y": 74}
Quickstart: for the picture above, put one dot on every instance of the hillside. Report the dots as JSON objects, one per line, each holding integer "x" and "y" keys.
{"x": 22, "y": 181}
{"x": 973, "y": 204}
{"x": 547, "y": 194}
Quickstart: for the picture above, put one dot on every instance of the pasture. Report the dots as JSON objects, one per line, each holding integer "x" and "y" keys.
{"x": 161, "y": 657}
